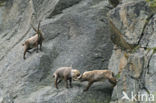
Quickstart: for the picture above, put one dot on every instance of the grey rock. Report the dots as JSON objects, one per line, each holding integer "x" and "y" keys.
{"x": 77, "y": 36}
{"x": 114, "y": 3}
{"x": 127, "y": 1}
{"x": 148, "y": 40}
{"x": 150, "y": 76}
{"x": 128, "y": 21}
{"x": 61, "y": 5}
{"x": 134, "y": 68}
{"x": 134, "y": 77}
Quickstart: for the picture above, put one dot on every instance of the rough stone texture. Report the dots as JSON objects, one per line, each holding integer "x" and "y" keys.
{"x": 114, "y": 3}
{"x": 128, "y": 21}
{"x": 61, "y": 5}
{"x": 148, "y": 39}
{"x": 135, "y": 76}
{"x": 118, "y": 61}
{"x": 134, "y": 69}
{"x": 127, "y": 1}
{"x": 77, "y": 36}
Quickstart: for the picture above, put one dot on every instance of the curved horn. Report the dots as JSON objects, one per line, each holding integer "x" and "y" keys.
{"x": 79, "y": 77}
{"x": 39, "y": 25}
{"x": 34, "y": 28}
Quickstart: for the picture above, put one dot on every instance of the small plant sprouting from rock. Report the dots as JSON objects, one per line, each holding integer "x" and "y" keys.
{"x": 152, "y": 3}
{"x": 117, "y": 76}
{"x": 154, "y": 49}
{"x": 2, "y": 2}
{"x": 135, "y": 49}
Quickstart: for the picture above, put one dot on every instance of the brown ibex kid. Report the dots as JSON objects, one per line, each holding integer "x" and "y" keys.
{"x": 66, "y": 73}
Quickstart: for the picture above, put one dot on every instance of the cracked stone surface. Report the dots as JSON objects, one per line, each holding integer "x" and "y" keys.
{"x": 135, "y": 65}
{"x": 76, "y": 34}
{"x": 84, "y": 34}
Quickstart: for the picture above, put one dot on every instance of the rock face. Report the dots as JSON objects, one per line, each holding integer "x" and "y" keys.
{"x": 76, "y": 34}
{"x": 148, "y": 40}
{"x": 133, "y": 60}
{"x": 114, "y": 3}
{"x": 128, "y": 21}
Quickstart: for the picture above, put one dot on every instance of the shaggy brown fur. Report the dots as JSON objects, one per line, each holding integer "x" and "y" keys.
{"x": 97, "y": 75}
{"x": 66, "y": 73}
{"x": 34, "y": 41}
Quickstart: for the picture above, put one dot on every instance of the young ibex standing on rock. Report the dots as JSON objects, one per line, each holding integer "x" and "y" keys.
{"x": 97, "y": 75}
{"x": 66, "y": 73}
{"x": 34, "y": 41}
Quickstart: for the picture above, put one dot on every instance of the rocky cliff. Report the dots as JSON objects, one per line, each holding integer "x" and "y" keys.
{"x": 76, "y": 34}
{"x": 84, "y": 34}
{"x": 133, "y": 59}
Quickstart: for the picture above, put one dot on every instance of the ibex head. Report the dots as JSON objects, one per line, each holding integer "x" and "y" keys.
{"x": 38, "y": 31}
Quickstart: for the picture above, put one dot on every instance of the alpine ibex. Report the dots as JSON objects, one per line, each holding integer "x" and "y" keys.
{"x": 97, "y": 75}
{"x": 66, "y": 73}
{"x": 34, "y": 41}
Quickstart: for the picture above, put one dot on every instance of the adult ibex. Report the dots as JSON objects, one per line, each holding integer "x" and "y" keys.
{"x": 96, "y": 76}
{"x": 34, "y": 41}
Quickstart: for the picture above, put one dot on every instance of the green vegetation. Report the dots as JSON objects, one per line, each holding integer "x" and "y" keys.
{"x": 135, "y": 48}
{"x": 154, "y": 49}
{"x": 2, "y": 2}
{"x": 152, "y": 3}
{"x": 117, "y": 76}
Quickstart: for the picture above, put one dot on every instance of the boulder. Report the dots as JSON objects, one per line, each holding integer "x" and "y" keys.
{"x": 128, "y": 21}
